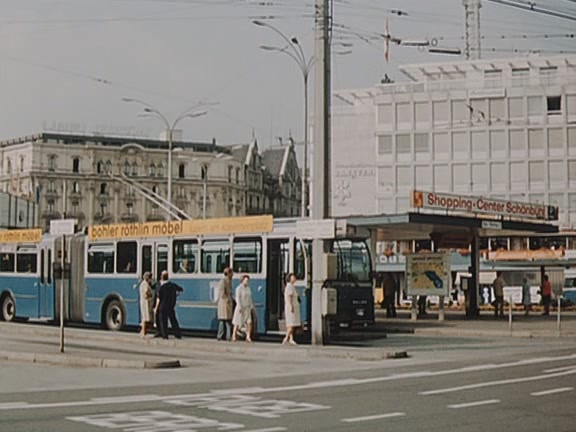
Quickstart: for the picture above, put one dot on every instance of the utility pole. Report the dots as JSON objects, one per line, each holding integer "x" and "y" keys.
{"x": 472, "y": 28}
{"x": 321, "y": 175}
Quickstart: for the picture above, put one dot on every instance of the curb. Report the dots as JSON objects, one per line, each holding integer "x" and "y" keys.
{"x": 206, "y": 346}
{"x": 78, "y": 361}
{"x": 526, "y": 334}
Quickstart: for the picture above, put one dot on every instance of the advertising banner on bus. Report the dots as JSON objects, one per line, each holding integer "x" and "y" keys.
{"x": 483, "y": 205}
{"x": 428, "y": 274}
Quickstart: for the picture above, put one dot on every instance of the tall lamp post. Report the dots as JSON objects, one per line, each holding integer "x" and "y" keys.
{"x": 204, "y": 166}
{"x": 170, "y": 127}
{"x": 294, "y": 50}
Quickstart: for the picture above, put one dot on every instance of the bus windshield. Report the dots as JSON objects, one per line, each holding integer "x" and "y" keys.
{"x": 353, "y": 260}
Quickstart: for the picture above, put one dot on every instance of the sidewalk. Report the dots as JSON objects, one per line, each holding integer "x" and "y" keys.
{"x": 457, "y": 324}
{"x": 39, "y": 343}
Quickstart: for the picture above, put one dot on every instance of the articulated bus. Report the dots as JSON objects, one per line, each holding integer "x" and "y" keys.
{"x": 107, "y": 262}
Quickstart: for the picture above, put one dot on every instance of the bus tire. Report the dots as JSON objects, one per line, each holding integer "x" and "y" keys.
{"x": 8, "y": 311}
{"x": 114, "y": 316}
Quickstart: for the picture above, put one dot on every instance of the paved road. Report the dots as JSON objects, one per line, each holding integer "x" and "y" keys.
{"x": 528, "y": 387}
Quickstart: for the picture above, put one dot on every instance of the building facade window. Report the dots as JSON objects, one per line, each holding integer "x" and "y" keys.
{"x": 554, "y": 105}
{"x": 520, "y": 77}
{"x": 76, "y": 165}
{"x": 230, "y": 171}
{"x": 237, "y": 175}
{"x": 108, "y": 167}
{"x": 152, "y": 170}
{"x": 100, "y": 167}
{"x": 76, "y": 187}
{"x": 103, "y": 189}
{"x": 52, "y": 163}
{"x": 181, "y": 170}
{"x": 134, "y": 169}
{"x": 160, "y": 170}
{"x": 126, "y": 168}
{"x": 21, "y": 164}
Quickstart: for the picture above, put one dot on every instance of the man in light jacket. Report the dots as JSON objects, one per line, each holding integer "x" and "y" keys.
{"x": 225, "y": 306}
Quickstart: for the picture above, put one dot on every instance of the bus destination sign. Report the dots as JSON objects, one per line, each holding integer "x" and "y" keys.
{"x": 483, "y": 205}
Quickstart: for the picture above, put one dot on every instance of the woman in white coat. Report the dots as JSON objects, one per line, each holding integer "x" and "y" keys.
{"x": 291, "y": 309}
{"x": 145, "y": 302}
{"x": 243, "y": 312}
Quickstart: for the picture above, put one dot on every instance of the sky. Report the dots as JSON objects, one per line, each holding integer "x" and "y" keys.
{"x": 65, "y": 65}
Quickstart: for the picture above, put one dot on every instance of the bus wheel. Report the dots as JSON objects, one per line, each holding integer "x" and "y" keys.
{"x": 8, "y": 308}
{"x": 114, "y": 316}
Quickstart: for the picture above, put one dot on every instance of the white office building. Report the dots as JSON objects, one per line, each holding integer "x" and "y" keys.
{"x": 504, "y": 128}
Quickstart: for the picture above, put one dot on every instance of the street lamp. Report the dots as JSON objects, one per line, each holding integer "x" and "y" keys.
{"x": 150, "y": 110}
{"x": 205, "y": 164}
{"x": 294, "y": 50}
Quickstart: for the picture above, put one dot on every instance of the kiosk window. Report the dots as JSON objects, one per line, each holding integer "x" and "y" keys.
{"x": 26, "y": 262}
{"x": 7, "y": 263}
{"x": 126, "y": 257}
{"x": 185, "y": 256}
{"x": 101, "y": 259}
{"x": 248, "y": 255}
{"x": 215, "y": 256}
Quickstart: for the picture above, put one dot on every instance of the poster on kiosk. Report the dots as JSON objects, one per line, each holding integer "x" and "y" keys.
{"x": 428, "y": 274}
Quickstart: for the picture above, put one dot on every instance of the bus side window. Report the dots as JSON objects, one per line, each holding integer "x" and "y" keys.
{"x": 215, "y": 251}
{"x": 185, "y": 256}
{"x": 42, "y": 267}
{"x": 101, "y": 259}
{"x": 7, "y": 263}
{"x": 49, "y": 273}
{"x": 126, "y": 257}
{"x": 248, "y": 255}
{"x": 26, "y": 263}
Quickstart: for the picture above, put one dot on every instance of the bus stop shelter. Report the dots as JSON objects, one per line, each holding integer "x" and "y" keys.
{"x": 448, "y": 231}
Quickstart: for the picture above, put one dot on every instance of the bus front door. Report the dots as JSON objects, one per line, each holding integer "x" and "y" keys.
{"x": 45, "y": 286}
{"x": 154, "y": 259}
{"x": 278, "y": 268}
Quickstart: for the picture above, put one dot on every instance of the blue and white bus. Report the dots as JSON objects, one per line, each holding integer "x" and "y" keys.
{"x": 107, "y": 263}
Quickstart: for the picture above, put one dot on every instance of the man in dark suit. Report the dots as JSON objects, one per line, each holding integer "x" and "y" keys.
{"x": 165, "y": 305}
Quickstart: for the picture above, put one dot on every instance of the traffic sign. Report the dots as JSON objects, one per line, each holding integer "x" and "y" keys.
{"x": 63, "y": 226}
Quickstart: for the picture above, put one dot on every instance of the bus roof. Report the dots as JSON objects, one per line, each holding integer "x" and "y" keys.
{"x": 21, "y": 236}
{"x": 232, "y": 225}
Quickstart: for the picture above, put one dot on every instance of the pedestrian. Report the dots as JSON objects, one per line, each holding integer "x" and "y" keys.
{"x": 291, "y": 309}
{"x": 389, "y": 294}
{"x": 526, "y": 299}
{"x": 422, "y": 305}
{"x": 546, "y": 293}
{"x": 243, "y": 312}
{"x": 498, "y": 286}
{"x": 225, "y": 308}
{"x": 166, "y": 304}
{"x": 145, "y": 291}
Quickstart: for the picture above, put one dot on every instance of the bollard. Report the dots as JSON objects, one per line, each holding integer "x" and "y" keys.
{"x": 559, "y": 317}
{"x": 510, "y": 315}
{"x": 414, "y": 310}
{"x": 441, "y": 315}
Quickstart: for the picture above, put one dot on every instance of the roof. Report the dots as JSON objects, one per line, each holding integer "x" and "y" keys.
{"x": 419, "y": 72}
{"x": 454, "y": 229}
{"x": 273, "y": 159}
{"x": 114, "y": 141}
{"x": 239, "y": 152}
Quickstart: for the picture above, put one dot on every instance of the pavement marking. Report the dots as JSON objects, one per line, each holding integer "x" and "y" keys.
{"x": 374, "y": 417}
{"x": 496, "y": 383}
{"x": 246, "y": 405}
{"x": 560, "y": 369}
{"x": 475, "y": 404}
{"x": 273, "y": 429}
{"x": 552, "y": 391}
{"x": 320, "y": 384}
{"x": 154, "y": 421}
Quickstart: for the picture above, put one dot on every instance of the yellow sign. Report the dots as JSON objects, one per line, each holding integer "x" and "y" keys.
{"x": 237, "y": 225}
{"x": 21, "y": 236}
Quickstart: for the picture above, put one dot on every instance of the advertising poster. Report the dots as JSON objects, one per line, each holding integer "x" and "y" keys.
{"x": 428, "y": 274}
